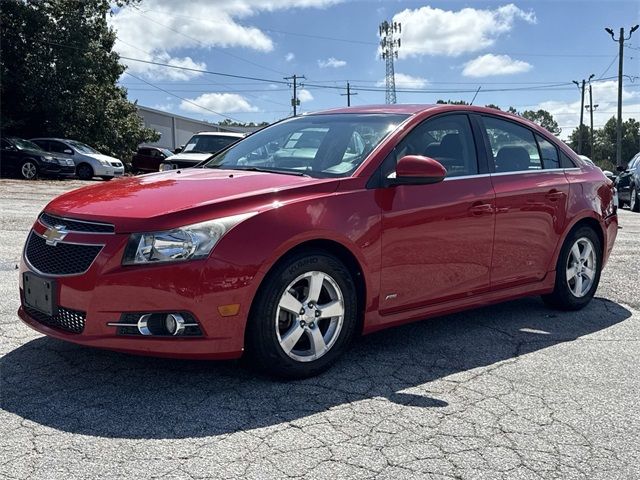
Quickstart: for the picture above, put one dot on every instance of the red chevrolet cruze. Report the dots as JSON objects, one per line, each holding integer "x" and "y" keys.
{"x": 307, "y": 233}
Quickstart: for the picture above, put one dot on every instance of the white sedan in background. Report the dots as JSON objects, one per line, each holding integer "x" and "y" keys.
{"x": 89, "y": 162}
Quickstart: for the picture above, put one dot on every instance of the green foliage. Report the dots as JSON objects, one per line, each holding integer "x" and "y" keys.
{"x": 230, "y": 123}
{"x": 544, "y": 119}
{"x": 59, "y": 76}
{"x": 452, "y": 102}
{"x": 604, "y": 140}
{"x": 494, "y": 106}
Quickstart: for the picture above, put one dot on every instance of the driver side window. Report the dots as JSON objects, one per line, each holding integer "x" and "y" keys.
{"x": 447, "y": 139}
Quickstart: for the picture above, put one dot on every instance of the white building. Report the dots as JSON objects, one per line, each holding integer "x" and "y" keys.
{"x": 176, "y": 130}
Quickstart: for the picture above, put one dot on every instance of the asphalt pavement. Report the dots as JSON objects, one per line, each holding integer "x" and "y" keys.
{"x": 511, "y": 391}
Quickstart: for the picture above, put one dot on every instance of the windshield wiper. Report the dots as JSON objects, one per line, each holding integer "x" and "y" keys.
{"x": 266, "y": 170}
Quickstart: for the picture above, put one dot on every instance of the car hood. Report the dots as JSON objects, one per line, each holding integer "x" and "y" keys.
{"x": 192, "y": 157}
{"x": 161, "y": 201}
{"x": 101, "y": 156}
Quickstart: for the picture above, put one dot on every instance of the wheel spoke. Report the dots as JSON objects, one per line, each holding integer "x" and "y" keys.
{"x": 575, "y": 251}
{"x": 589, "y": 273}
{"x": 586, "y": 253}
{"x": 572, "y": 272}
{"x": 578, "y": 287}
{"x": 331, "y": 309}
{"x": 315, "y": 286}
{"x": 290, "y": 339}
{"x": 317, "y": 341}
{"x": 290, "y": 303}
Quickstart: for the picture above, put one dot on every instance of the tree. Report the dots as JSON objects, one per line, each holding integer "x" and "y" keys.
{"x": 586, "y": 144}
{"x": 544, "y": 119}
{"x": 605, "y": 139}
{"x": 452, "y": 102}
{"x": 230, "y": 123}
{"x": 494, "y": 106}
{"x": 59, "y": 75}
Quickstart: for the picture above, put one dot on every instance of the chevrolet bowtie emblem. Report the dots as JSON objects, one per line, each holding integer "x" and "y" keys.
{"x": 56, "y": 234}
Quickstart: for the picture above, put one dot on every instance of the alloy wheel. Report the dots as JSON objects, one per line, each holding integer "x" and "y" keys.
{"x": 633, "y": 201}
{"x": 310, "y": 316}
{"x": 581, "y": 267}
{"x": 29, "y": 170}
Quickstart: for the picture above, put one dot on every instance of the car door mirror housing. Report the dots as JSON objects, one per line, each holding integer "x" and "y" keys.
{"x": 418, "y": 170}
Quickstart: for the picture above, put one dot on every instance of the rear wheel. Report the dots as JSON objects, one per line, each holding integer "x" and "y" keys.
{"x": 578, "y": 270}
{"x": 29, "y": 170}
{"x": 84, "y": 171}
{"x": 634, "y": 201}
{"x": 304, "y": 316}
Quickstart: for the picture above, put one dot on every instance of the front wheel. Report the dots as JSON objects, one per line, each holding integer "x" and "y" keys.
{"x": 304, "y": 316}
{"x": 29, "y": 170}
{"x": 84, "y": 172}
{"x": 578, "y": 271}
{"x": 634, "y": 201}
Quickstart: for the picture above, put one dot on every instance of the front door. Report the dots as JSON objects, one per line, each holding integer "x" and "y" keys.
{"x": 437, "y": 239}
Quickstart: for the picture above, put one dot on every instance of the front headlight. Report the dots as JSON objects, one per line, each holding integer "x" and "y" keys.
{"x": 104, "y": 163}
{"x": 48, "y": 158}
{"x": 184, "y": 243}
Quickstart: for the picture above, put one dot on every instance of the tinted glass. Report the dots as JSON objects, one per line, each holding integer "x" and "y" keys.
{"x": 43, "y": 144}
{"x": 565, "y": 161}
{"x": 82, "y": 148}
{"x": 316, "y": 145}
{"x": 57, "y": 147}
{"x": 549, "y": 153}
{"x": 25, "y": 144}
{"x": 513, "y": 147}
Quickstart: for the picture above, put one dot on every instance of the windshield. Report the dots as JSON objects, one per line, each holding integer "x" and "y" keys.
{"x": 167, "y": 153}
{"x": 209, "y": 143}
{"x": 316, "y": 145}
{"x": 25, "y": 144}
{"x": 82, "y": 148}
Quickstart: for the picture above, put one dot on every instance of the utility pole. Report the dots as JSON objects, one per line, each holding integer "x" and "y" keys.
{"x": 621, "y": 39}
{"x": 591, "y": 107}
{"x": 581, "y": 113}
{"x": 295, "y": 101}
{"x": 390, "y": 48}
{"x": 348, "y": 94}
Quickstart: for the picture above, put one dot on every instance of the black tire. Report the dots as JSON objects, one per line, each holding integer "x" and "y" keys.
{"x": 263, "y": 349}
{"x": 634, "y": 199}
{"x": 29, "y": 169}
{"x": 562, "y": 296}
{"x": 106, "y": 179}
{"x": 84, "y": 171}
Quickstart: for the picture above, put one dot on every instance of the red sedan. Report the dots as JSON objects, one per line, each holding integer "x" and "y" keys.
{"x": 303, "y": 235}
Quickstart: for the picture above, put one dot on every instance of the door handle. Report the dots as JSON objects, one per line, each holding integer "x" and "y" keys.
{"x": 479, "y": 208}
{"x": 554, "y": 195}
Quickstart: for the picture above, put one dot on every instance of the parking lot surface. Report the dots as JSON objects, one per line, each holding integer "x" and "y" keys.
{"x": 511, "y": 391}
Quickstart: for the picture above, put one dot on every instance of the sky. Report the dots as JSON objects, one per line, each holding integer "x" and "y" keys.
{"x": 520, "y": 54}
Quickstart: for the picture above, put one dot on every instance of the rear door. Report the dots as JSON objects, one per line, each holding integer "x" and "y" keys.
{"x": 531, "y": 201}
{"x": 437, "y": 239}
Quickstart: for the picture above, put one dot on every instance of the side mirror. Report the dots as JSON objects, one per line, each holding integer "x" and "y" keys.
{"x": 178, "y": 149}
{"x": 418, "y": 170}
{"x": 68, "y": 151}
{"x": 621, "y": 168}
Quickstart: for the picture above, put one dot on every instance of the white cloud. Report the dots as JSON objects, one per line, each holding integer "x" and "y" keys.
{"x": 406, "y": 81}
{"x": 567, "y": 114}
{"x": 490, "y": 64}
{"x": 289, "y": 57}
{"x": 157, "y": 28}
{"x": 218, "y": 102}
{"x": 331, "y": 62}
{"x": 433, "y": 31}
{"x": 304, "y": 95}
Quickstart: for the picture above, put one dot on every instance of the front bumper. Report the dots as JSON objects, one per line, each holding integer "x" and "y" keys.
{"x": 110, "y": 171}
{"x": 54, "y": 169}
{"x": 107, "y": 290}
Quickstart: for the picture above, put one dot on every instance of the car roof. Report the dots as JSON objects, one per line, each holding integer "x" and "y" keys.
{"x": 54, "y": 138}
{"x": 221, "y": 134}
{"x": 415, "y": 108}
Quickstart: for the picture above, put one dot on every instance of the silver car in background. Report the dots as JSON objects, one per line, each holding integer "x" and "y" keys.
{"x": 89, "y": 162}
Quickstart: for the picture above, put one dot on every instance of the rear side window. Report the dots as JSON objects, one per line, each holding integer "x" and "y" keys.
{"x": 549, "y": 153}
{"x": 43, "y": 144}
{"x": 565, "y": 161}
{"x": 514, "y": 148}
{"x": 57, "y": 147}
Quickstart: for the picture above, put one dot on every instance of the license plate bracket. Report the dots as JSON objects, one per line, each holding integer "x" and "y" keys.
{"x": 40, "y": 293}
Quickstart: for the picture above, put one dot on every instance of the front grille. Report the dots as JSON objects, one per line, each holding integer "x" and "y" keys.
{"x": 66, "y": 319}
{"x": 61, "y": 259}
{"x": 76, "y": 225}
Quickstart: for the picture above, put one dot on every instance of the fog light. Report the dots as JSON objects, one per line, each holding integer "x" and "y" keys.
{"x": 174, "y": 323}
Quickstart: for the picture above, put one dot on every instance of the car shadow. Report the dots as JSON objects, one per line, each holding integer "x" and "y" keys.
{"x": 107, "y": 394}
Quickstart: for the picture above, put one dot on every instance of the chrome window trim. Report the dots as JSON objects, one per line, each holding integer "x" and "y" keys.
{"x": 517, "y": 172}
{"x": 44, "y": 224}
{"x": 34, "y": 269}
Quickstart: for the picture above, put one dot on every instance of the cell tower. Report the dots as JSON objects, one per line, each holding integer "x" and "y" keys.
{"x": 389, "y": 47}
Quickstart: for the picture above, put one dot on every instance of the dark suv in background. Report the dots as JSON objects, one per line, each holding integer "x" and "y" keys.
{"x": 27, "y": 160}
{"x": 148, "y": 159}
{"x": 628, "y": 184}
